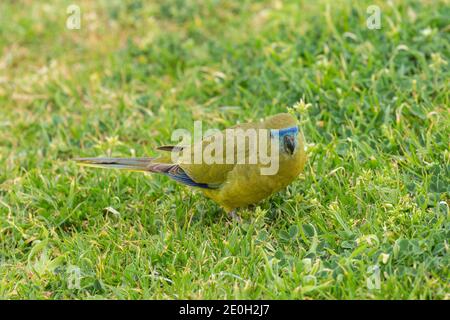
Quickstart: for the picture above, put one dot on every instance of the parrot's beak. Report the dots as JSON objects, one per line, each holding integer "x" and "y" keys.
{"x": 289, "y": 144}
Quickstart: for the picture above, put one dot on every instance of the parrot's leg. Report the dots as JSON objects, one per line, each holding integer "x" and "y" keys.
{"x": 233, "y": 215}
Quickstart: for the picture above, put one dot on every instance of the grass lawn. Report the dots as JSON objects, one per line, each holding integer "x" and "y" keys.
{"x": 368, "y": 219}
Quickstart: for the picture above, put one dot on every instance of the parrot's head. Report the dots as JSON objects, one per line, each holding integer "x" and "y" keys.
{"x": 287, "y": 139}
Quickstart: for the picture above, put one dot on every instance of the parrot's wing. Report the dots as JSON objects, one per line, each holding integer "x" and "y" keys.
{"x": 214, "y": 173}
{"x": 171, "y": 148}
{"x": 176, "y": 173}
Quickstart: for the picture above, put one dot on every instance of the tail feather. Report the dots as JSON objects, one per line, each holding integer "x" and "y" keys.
{"x": 134, "y": 164}
{"x": 171, "y": 170}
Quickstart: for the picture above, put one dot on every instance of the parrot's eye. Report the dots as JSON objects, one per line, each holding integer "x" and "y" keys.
{"x": 289, "y": 144}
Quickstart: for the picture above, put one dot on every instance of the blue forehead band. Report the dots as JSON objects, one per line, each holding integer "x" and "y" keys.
{"x": 285, "y": 131}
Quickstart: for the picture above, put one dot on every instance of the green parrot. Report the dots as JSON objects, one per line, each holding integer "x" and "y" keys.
{"x": 236, "y": 177}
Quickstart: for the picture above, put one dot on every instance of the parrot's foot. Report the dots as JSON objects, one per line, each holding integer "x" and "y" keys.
{"x": 233, "y": 215}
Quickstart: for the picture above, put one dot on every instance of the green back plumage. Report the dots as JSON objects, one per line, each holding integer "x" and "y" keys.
{"x": 216, "y": 173}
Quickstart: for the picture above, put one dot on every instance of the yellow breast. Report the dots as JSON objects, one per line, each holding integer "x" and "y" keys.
{"x": 246, "y": 185}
